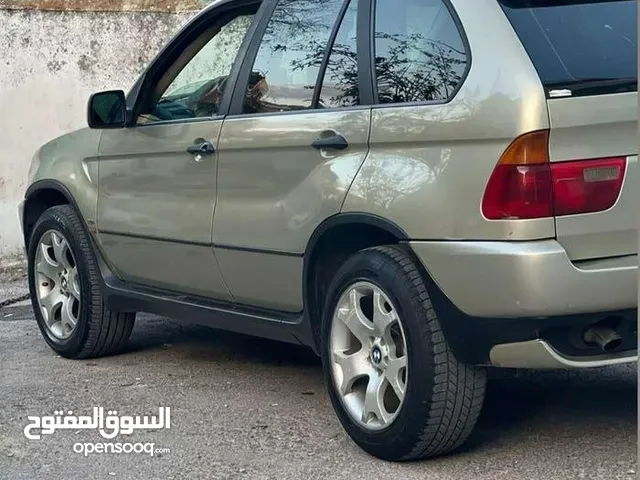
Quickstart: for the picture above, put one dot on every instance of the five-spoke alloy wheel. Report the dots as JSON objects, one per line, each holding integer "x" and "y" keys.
{"x": 394, "y": 382}
{"x": 368, "y": 355}
{"x": 66, "y": 293}
{"x": 57, "y": 284}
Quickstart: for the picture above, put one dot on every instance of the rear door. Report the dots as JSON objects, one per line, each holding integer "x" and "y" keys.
{"x": 585, "y": 53}
{"x": 289, "y": 148}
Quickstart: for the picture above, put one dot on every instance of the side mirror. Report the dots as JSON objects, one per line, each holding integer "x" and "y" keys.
{"x": 107, "y": 110}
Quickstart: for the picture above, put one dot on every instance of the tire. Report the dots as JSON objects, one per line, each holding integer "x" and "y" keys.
{"x": 98, "y": 331}
{"x": 442, "y": 396}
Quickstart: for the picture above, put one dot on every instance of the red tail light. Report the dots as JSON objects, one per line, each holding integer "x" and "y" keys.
{"x": 587, "y": 185}
{"x": 525, "y": 184}
{"x": 518, "y": 191}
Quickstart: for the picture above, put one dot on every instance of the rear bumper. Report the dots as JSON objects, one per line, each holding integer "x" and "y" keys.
{"x": 527, "y": 279}
{"x": 539, "y": 354}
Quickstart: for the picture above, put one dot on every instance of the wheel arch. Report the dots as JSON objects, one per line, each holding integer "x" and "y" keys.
{"x": 333, "y": 241}
{"x": 39, "y": 197}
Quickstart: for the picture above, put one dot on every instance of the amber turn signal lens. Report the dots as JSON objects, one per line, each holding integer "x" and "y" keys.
{"x": 528, "y": 149}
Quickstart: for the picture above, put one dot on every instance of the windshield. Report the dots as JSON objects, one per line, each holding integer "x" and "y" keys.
{"x": 592, "y": 43}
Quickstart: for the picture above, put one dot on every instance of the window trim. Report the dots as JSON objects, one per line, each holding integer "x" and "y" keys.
{"x": 315, "y": 100}
{"x": 309, "y": 111}
{"x": 172, "y": 51}
{"x": 237, "y": 100}
{"x": 246, "y": 63}
{"x": 463, "y": 77}
{"x": 366, "y": 53}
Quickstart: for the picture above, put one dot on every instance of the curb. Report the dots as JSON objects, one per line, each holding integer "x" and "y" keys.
{"x": 11, "y": 301}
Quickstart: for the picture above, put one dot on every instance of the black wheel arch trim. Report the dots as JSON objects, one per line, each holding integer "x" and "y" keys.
{"x": 337, "y": 220}
{"x": 50, "y": 184}
{"x": 340, "y": 219}
{"x": 360, "y": 218}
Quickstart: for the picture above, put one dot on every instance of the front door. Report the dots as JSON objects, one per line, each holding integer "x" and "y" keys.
{"x": 158, "y": 177}
{"x": 289, "y": 149}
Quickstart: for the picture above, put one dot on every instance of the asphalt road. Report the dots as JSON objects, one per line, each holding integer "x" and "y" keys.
{"x": 247, "y": 408}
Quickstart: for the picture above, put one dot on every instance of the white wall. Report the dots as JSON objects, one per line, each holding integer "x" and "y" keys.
{"x": 49, "y": 64}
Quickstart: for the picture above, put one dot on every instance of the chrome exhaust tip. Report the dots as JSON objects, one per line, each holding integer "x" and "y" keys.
{"x": 604, "y": 337}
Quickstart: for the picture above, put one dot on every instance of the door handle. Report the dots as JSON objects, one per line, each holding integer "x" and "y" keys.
{"x": 201, "y": 147}
{"x": 335, "y": 142}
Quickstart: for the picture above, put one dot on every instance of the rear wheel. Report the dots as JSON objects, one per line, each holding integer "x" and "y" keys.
{"x": 395, "y": 384}
{"x": 64, "y": 281}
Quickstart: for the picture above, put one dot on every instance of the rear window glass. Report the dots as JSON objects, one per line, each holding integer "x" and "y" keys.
{"x": 586, "y": 47}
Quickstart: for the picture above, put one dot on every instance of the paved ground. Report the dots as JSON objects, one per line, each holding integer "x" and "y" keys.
{"x": 248, "y": 408}
{"x": 13, "y": 284}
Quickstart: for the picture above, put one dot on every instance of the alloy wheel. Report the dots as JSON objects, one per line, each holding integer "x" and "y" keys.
{"x": 368, "y": 352}
{"x": 57, "y": 284}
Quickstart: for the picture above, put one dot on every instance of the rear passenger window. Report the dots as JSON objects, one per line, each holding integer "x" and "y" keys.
{"x": 340, "y": 85}
{"x": 286, "y": 68}
{"x": 419, "y": 51}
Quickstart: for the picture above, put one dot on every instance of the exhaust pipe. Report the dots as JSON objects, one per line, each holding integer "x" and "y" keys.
{"x": 606, "y": 338}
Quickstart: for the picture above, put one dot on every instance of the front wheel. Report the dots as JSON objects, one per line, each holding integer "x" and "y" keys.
{"x": 395, "y": 384}
{"x": 65, "y": 286}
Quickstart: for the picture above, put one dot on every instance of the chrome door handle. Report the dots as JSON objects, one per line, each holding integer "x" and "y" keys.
{"x": 202, "y": 147}
{"x": 335, "y": 142}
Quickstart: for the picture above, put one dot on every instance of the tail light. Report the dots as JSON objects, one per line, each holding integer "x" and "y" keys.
{"x": 587, "y": 185}
{"x": 525, "y": 184}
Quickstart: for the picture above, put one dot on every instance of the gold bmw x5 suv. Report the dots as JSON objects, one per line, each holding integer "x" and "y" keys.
{"x": 415, "y": 189}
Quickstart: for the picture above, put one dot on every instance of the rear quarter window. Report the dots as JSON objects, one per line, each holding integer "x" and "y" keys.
{"x": 420, "y": 54}
{"x": 585, "y": 47}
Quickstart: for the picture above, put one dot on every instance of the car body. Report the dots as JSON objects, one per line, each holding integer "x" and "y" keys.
{"x": 237, "y": 199}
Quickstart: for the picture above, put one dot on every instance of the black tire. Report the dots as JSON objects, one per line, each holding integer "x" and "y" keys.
{"x": 443, "y": 396}
{"x": 99, "y": 331}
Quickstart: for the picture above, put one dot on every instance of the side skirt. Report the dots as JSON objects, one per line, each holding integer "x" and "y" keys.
{"x": 244, "y": 319}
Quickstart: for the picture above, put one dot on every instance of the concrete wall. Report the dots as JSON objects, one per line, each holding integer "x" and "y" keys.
{"x": 50, "y": 61}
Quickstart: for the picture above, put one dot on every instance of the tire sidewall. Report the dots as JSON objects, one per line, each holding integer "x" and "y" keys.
{"x": 373, "y": 267}
{"x": 57, "y": 219}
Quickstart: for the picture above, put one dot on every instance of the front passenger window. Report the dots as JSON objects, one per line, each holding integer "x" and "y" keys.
{"x": 194, "y": 85}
